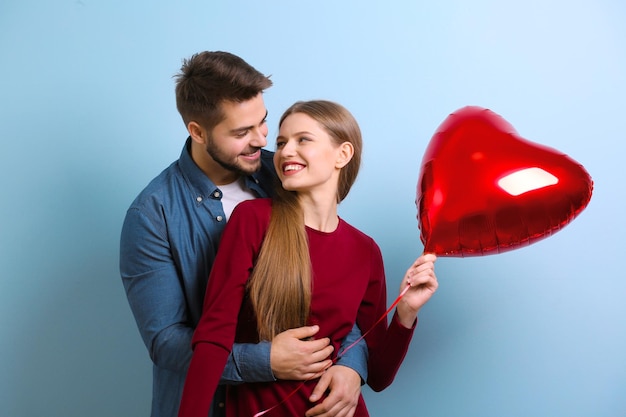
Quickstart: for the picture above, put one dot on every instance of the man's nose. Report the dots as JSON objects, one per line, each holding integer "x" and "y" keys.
{"x": 259, "y": 138}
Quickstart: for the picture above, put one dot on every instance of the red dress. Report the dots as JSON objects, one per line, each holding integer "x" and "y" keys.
{"x": 348, "y": 285}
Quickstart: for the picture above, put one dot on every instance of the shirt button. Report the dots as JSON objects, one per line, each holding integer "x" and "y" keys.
{"x": 221, "y": 405}
{"x": 199, "y": 198}
{"x": 219, "y": 218}
{"x": 216, "y": 194}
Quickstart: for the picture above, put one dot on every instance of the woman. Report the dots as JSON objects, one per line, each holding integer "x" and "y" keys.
{"x": 292, "y": 261}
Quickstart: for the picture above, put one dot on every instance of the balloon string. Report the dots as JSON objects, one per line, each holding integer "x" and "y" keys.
{"x": 343, "y": 352}
{"x": 395, "y": 303}
{"x": 260, "y": 413}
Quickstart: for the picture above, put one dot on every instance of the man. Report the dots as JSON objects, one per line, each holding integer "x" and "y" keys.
{"x": 171, "y": 233}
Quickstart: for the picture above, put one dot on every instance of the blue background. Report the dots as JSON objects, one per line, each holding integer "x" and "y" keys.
{"x": 88, "y": 118}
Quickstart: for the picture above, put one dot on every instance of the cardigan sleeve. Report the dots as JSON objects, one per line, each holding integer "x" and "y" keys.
{"x": 215, "y": 334}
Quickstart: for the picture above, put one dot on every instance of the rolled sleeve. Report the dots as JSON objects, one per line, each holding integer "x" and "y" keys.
{"x": 249, "y": 363}
{"x": 356, "y": 357}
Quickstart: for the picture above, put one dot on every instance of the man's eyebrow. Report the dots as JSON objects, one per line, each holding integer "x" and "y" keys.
{"x": 244, "y": 128}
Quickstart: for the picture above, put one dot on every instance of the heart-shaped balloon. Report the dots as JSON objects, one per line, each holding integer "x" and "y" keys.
{"x": 483, "y": 189}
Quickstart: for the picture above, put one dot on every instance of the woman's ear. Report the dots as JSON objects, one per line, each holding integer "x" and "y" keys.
{"x": 346, "y": 151}
{"x": 198, "y": 133}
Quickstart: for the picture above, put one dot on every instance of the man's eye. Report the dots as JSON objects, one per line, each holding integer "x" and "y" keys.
{"x": 241, "y": 134}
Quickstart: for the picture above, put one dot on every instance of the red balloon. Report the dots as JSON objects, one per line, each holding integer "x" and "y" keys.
{"x": 484, "y": 190}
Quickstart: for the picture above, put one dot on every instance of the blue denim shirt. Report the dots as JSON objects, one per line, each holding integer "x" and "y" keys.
{"x": 168, "y": 244}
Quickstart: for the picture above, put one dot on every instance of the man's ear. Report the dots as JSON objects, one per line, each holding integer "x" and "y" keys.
{"x": 198, "y": 133}
{"x": 346, "y": 151}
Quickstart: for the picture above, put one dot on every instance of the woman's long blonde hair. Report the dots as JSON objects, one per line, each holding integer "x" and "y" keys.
{"x": 280, "y": 284}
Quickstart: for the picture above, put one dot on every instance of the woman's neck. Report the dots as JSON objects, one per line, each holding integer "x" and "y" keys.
{"x": 320, "y": 214}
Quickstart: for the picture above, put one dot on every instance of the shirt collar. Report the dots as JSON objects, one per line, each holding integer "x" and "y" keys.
{"x": 201, "y": 185}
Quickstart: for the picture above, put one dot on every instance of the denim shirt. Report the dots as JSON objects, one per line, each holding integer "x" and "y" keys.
{"x": 169, "y": 240}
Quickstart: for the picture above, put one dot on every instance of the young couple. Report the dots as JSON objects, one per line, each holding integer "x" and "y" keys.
{"x": 288, "y": 268}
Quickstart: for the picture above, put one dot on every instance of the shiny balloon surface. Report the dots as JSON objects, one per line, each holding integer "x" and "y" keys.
{"x": 484, "y": 190}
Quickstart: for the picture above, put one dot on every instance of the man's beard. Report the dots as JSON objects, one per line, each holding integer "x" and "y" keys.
{"x": 221, "y": 159}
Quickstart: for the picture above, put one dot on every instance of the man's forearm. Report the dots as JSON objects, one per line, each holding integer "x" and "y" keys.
{"x": 357, "y": 356}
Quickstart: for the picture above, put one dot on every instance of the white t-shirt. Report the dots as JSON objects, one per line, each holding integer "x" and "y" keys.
{"x": 233, "y": 194}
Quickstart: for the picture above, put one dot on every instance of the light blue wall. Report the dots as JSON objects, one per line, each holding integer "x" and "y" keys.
{"x": 88, "y": 118}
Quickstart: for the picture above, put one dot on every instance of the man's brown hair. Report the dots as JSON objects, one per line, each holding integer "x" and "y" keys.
{"x": 211, "y": 77}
